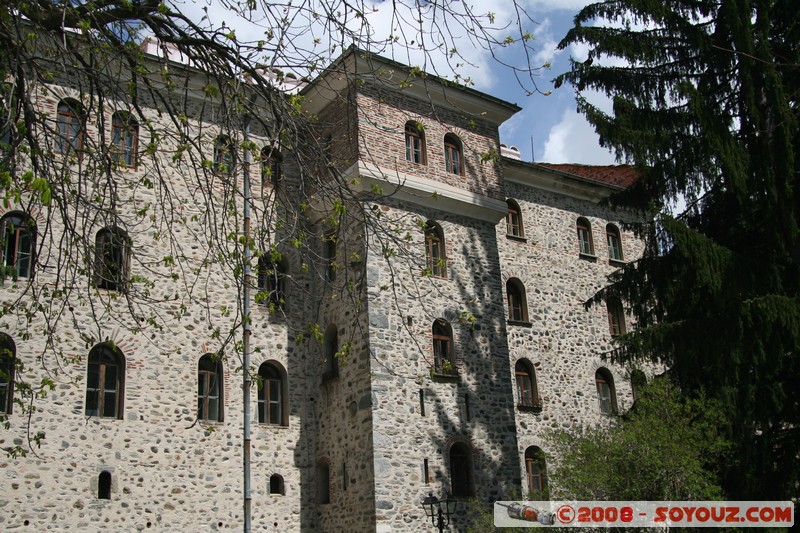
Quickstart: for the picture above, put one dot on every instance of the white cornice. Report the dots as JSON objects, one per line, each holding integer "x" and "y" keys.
{"x": 425, "y": 192}
{"x": 532, "y": 175}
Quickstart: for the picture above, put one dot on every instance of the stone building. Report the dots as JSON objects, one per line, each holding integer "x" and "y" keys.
{"x": 452, "y": 329}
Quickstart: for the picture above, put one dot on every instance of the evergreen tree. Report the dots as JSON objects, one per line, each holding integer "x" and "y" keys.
{"x": 706, "y": 106}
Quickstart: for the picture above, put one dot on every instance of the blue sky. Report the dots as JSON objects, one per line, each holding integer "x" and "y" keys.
{"x": 548, "y": 129}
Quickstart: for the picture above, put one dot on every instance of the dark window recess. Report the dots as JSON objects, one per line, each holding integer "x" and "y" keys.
{"x": 104, "y": 485}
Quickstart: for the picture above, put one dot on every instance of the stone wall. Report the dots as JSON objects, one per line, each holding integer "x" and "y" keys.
{"x": 382, "y": 426}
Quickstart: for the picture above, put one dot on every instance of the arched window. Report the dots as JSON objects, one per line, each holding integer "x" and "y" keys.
{"x": 105, "y": 381}
{"x": 330, "y": 350}
{"x": 271, "y": 167}
{"x": 272, "y": 282}
{"x": 614, "y": 243}
{"x": 536, "y": 470}
{"x": 517, "y": 303}
{"x": 514, "y": 220}
{"x": 585, "y": 242}
{"x": 70, "y": 124}
{"x": 224, "y": 155}
{"x": 276, "y": 484}
{"x": 638, "y": 380}
{"x": 616, "y": 317}
{"x": 18, "y": 232}
{"x": 124, "y": 138}
{"x": 415, "y": 142}
{"x": 323, "y": 482}
{"x": 209, "y": 388}
{"x": 527, "y": 389}
{"x": 271, "y": 395}
{"x": 435, "y": 250}
{"x": 8, "y": 355}
{"x": 453, "y": 154}
{"x": 461, "y": 470}
{"x": 606, "y": 393}
{"x": 112, "y": 257}
{"x": 104, "y": 485}
{"x": 442, "y": 336}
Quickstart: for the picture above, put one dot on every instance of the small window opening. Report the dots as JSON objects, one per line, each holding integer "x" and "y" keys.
{"x": 104, "y": 485}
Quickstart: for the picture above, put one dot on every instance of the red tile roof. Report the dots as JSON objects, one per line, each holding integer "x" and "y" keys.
{"x": 618, "y": 175}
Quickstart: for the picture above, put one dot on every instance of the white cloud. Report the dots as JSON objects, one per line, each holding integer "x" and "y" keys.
{"x": 573, "y": 140}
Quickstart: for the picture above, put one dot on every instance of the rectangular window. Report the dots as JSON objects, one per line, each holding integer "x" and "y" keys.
{"x": 6, "y": 383}
{"x": 524, "y": 389}
{"x": 604, "y": 397}
{"x": 513, "y": 223}
{"x": 101, "y": 390}
{"x": 123, "y": 137}
{"x": 436, "y": 257}
{"x": 585, "y": 241}
{"x": 441, "y": 355}
{"x": 413, "y": 147}
{"x": 613, "y": 247}
{"x": 452, "y": 158}
{"x": 207, "y": 396}
{"x": 18, "y": 248}
{"x": 514, "y": 306}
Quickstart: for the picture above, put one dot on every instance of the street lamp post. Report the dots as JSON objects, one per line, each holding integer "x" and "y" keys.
{"x": 439, "y": 511}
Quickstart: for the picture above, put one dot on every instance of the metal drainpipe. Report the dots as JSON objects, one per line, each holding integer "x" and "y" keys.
{"x": 246, "y": 329}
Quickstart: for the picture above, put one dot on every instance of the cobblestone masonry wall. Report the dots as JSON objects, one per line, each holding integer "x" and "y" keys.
{"x": 367, "y": 424}
{"x": 475, "y": 408}
{"x": 169, "y": 472}
{"x": 563, "y": 341}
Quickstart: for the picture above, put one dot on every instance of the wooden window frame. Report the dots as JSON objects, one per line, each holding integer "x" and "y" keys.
{"x": 442, "y": 346}
{"x": 125, "y": 139}
{"x": 527, "y": 397}
{"x": 102, "y": 358}
{"x": 535, "y": 470}
{"x": 585, "y": 241}
{"x": 606, "y": 392}
{"x": 271, "y": 408}
{"x": 272, "y": 281}
{"x": 8, "y": 366}
{"x": 614, "y": 241}
{"x": 271, "y": 167}
{"x": 514, "y": 227}
{"x": 210, "y": 373}
{"x": 19, "y": 243}
{"x": 70, "y": 123}
{"x": 415, "y": 144}
{"x": 224, "y": 155}
{"x": 435, "y": 254}
{"x": 112, "y": 259}
{"x": 616, "y": 317}
{"x": 517, "y": 301}
{"x": 453, "y": 155}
